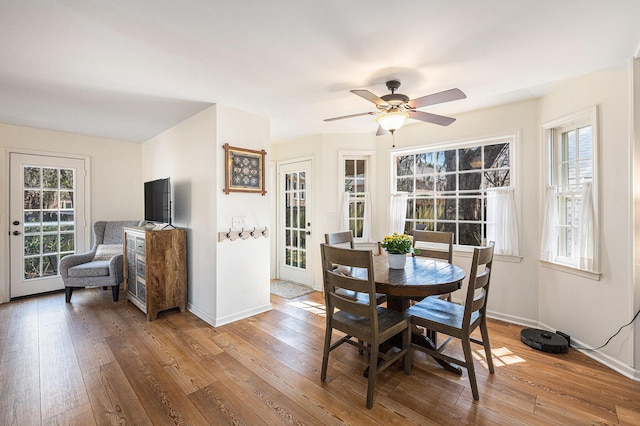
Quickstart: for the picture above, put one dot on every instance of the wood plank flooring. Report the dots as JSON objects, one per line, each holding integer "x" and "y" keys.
{"x": 98, "y": 362}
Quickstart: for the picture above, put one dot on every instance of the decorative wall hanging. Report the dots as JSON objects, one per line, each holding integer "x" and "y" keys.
{"x": 244, "y": 170}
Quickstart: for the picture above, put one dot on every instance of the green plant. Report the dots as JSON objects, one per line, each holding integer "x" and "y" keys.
{"x": 398, "y": 244}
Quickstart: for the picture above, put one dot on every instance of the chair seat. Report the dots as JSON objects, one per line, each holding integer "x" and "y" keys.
{"x": 357, "y": 325}
{"x": 439, "y": 311}
{"x": 96, "y": 268}
{"x": 361, "y": 297}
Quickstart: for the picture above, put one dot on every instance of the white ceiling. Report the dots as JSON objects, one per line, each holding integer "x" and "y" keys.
{"x": 129, "y": 69}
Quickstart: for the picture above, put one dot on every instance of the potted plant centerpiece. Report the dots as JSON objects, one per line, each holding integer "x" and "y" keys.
{"x": 397, "y": 247}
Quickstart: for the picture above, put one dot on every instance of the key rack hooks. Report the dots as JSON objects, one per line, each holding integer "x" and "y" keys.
{"x": 242, "y": 234}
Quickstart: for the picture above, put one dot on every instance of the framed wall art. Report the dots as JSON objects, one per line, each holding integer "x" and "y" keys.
{"x": 244, "y": 170}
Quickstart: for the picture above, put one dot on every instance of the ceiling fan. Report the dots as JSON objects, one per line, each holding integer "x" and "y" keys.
{"x": 395, "y": 108}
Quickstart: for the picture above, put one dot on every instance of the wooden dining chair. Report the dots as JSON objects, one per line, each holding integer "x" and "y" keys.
{"x": 345, "y": 239}
{"x": 434, "y": 245}
{"x": 459, "y": 321}
{"x": 366, "y": 322}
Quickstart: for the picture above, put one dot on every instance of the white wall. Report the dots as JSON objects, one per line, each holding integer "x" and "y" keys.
{"x": 115, "y": 192}
{"x": 226, "y": 280}
{"x": 591, "y": 311}
{"x": 243, "y": 265}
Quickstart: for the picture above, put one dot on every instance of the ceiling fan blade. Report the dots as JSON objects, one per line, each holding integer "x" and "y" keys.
{"x": 431, "y": 118}
{"x": 370, "y": 97}
{"x": 349, "y": 116}
{"x": 381, "y": 131}
{"x": 437, "y": 98}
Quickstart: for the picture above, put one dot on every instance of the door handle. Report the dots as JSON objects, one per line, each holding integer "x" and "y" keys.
{"x": 16, "y": 232}
{"x": 16, "y": 222}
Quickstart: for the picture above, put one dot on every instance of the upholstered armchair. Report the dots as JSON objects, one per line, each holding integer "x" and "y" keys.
{"x": 100, "y": 267}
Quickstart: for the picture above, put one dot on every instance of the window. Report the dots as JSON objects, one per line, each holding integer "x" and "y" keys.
{"x": 573, "y": 167}
{"x": 570, "y": 237}
{"x": 447, "y": 186}
{"x": 355, "y": 185}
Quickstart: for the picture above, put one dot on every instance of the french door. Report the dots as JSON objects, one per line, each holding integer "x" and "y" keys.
{"x": 46, "y": 205}
{"x": 295, "y": 251}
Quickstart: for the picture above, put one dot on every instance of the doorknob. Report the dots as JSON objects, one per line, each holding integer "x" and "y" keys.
{"x": 16, "y": 222}
{"x": 16, "y": 232}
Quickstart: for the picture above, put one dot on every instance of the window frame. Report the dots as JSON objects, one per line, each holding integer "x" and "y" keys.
{"x": 514, "y": 141}
{"x": 552, "y": 130}
{"x": 369, "y": 178}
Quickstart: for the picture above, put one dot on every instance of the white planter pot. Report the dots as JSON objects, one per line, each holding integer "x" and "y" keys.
{"x": 396, "y": 261}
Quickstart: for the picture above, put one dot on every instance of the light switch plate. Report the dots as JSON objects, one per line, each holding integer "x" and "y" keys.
{"x": 238, "y": 222}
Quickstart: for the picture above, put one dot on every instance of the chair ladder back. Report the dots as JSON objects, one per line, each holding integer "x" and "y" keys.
{"x": 434, "y": 237}
{"x": 349, "y": 258}
{"x": 349, "y": 305}
{"x": 339, "y": 256}
{"x": 335, "y": 279}
{"x": 476, "y": 300}
{"x": 336, "y": 238}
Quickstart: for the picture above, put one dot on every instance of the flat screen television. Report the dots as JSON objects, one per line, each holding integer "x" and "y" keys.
{"x": 157, "y": 201}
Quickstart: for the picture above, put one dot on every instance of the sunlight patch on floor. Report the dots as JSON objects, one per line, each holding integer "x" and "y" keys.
{"x": 309, "y": 306}
{"x": 501, "y": 357}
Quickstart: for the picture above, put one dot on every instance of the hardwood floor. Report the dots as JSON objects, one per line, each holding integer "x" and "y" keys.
{"x": 98, "y": 362}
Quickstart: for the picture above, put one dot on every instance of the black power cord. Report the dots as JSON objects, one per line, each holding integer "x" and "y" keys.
{"x": 607, "y": 342}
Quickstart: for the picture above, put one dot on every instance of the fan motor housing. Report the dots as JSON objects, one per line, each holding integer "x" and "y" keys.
{"x": 395, "y": 99}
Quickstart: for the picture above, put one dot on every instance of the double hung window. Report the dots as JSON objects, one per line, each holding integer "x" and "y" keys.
{"x": 355, "y": 186}
{"x": 569, "y": 231}
{"x": 447, "y": 186}
{"x": 355, "y": 183}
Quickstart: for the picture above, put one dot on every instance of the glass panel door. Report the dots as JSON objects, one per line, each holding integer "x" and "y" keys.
{"x": 295, "y": 222}
{"x": 45, "y": 207}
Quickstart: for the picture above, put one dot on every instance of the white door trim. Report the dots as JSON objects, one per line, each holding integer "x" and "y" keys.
{"x": 6, "y": 152}
{"x": 311, "y": 242}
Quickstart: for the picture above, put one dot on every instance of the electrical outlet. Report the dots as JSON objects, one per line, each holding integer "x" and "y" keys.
{"x": 238, "y": 222}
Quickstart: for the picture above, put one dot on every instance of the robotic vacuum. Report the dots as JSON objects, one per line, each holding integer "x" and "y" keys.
{"x": 544, "y": 341}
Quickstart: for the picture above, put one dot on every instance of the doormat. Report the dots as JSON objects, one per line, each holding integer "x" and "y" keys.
{"x": 289, "y": 290}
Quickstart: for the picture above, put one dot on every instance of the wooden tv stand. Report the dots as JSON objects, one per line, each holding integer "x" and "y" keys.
{"x": 155, "y": 269}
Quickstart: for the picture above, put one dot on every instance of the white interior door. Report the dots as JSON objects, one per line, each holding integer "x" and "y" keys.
{"x": 295, "y": 198}
{"x": 46, "y": 204}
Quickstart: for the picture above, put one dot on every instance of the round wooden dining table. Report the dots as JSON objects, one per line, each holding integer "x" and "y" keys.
{"x": 421, "y": 277}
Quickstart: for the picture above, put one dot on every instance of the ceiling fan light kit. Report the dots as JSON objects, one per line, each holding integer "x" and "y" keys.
{"x": 392, "y": 121}
{"x": 393, "y": 109}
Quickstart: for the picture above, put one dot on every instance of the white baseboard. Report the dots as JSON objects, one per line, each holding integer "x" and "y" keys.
{"x": 242, "y": 315}
{"x": 203, "y": 315}
{"x": 217, "y": 322}
{"x": 512, "y": 319}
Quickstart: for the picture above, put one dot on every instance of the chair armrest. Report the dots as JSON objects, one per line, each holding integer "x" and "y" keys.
{"x": 74, "y": 260}
{"x": 116, "y": 268}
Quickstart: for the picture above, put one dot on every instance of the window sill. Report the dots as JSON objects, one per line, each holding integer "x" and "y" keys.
{"x": 571, "y": 270}
{"x": 499, "y": 257}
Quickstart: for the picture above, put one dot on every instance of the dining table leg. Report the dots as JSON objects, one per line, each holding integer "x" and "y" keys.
{"x": 401, "y": 304}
